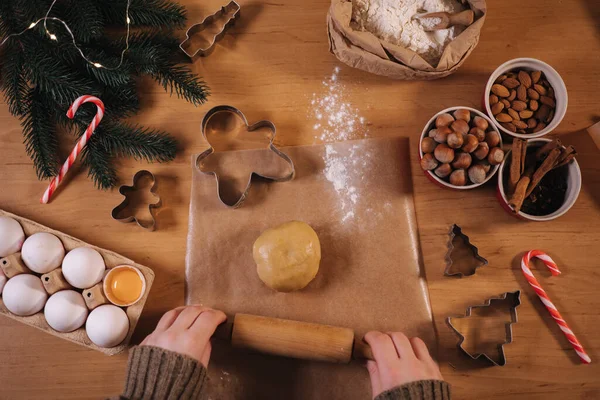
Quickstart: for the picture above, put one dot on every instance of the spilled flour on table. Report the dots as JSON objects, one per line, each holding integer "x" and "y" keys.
{"x": 335, "y": 119}
{"x": 341, "y": 170}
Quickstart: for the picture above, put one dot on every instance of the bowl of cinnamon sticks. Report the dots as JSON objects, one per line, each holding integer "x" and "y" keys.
{"x": 539, "y": 179}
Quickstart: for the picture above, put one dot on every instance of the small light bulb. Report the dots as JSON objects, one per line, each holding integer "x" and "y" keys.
{"x": 32, "y": 25}
{"x": 97, "y": 65}
{"x": 53, "y": 36}
{"x": 128, "y": 20}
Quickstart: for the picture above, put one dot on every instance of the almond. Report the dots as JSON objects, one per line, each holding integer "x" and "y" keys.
{"x": 500, "y": 78}
{"x": 509, "y": 126}
{"x": 547, "y": 101}
{"x": 533, "y": 105}
{"x": 522, "y": 131}
{"x": 502, "y": 117}
{"x": 531, "y": 123}
{"x": 497, "y": 108}
{"x": 520, "y": 124}
{"x": 510, "y": 83}
{"x": 513, "y": 114}
{"x": 540, "y": 89}
{"x": 543, "y": 112}
{"x": 525, "y": 114}
{"x": 506, "y": 103}
{"x": 525, "y": 79}
{"x": 535, "y": 76}
{"x": 532, "y": 94}
{"x": 518, "y": 105}
{"x": 550, "y": 92}
{"x": 493, "y": 99}
{"x": 513, "y": 95}
{"x": 539, "y": 127}
{"x": 522, "y": 93}
{"x": 500, "y": 90}
{"x": 550, "y": 116}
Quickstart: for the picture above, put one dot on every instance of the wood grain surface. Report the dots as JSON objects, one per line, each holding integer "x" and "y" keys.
{"x": 270, "y": 65}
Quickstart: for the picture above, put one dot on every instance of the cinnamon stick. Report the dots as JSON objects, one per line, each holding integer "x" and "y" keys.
{"x": 566, "y": 160}
{"x": 566, "y": 156}
{"x": 515, "y": 165}
{"x": 516, "y": 201}
{"x": 523, "y": 156}
{"x": 546, "y": 166}
{"x": 547, "y": 148}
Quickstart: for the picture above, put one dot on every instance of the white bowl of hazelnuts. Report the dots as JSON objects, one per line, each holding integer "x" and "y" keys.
{"x": 460, "y": 148}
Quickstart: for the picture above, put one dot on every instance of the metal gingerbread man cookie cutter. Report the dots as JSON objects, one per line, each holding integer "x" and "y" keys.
{"x": 249, "y": 128}
{"x": 126, "y": 190}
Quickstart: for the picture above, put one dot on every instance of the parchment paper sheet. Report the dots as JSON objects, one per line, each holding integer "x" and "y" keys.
{"x": 365, "y": 51}
{"x": 358, "y": 197}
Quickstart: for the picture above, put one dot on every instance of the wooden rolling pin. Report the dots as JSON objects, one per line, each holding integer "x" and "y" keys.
{"x": 293, "y": 339}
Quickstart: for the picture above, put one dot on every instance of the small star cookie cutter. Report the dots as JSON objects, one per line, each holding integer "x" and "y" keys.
{"x": 126, "y": 190}
{"x": 249, "y": 128}
{"x": 456, "y": 231}
{"x": 232, "y": 9}
{"x": 515, "y": 299}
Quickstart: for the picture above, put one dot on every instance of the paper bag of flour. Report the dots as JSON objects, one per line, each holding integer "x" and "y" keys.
{"x": 364, "y": 50}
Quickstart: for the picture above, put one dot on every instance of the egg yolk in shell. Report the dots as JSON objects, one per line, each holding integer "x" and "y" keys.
{"x": 123, "y": 285}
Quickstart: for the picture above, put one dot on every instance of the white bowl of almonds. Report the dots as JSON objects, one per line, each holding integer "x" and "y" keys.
{"x": 526, "y": 98}
{"x": 460, "y": 148}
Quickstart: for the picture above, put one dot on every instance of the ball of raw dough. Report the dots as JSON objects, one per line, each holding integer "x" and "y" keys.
{"x": 287, "y": 257}
{"x": 42, "y": 252}
{"x": 24, "y": 295}
{"x": 11, "y": 236}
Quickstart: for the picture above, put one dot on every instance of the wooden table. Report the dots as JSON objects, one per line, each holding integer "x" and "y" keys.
{"x": 269, "y": 66}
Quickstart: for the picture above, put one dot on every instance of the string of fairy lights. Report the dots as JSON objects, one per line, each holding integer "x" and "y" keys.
{"x": 52, "y": 36}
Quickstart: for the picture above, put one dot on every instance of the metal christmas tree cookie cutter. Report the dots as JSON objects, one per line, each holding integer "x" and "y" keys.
{"x": 127, "y": 190}
{"x": 515, "y": 299}
{"x": 249, "y": 128}
{"x": 232, "y": 8}
{"x": 456, "y": 231}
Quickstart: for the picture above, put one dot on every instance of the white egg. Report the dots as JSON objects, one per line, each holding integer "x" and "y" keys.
{"x": 66, "y": 311}
{"x": 2, "y": 280}
{"x": 107, "y": 325}
{"x": 83, "y": 267}
{"x": 24, "y": 295}
{"x": 11, "y": 236}
{"x": 42, "y": 252}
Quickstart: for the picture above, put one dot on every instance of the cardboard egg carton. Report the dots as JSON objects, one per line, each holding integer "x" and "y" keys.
{"x": 111, "y": 259}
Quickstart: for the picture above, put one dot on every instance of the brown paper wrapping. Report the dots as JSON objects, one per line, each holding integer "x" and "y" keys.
{"x": 111, "y": 259}
{"x": 364, "y": 50}
{"x": 370, "y": 278}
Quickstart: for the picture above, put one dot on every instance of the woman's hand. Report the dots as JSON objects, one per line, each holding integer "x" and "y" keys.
{"x": 398, "y": 360}
{"x": 187, "y": 330}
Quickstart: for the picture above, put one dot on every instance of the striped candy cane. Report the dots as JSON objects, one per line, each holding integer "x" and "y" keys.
{"x": 546, "y": 300}
{"x": 80, "y": 144}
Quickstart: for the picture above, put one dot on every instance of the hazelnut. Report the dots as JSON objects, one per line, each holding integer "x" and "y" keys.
{"x": 477, "y": 173}
{"x": 481, "y": 123}
{"x": 478, "y": 133}
{"x": 443, "y": 120}
{"x": 432, "y": 133}
{"x": 485, "y": 164}
{"x": 470, "y": 144}
{"x": 428, "y": 145}
{"x": 492, "y": 138}
{"x": 458, "y": 177}
{"x": 455, "y": 140}
{"x": 462, "y": 114}
{"x": 443, "y": 170}
{"x": 495, "y": 156}
{"x": 443, "y": 153}
{"x": 462, "y": 161}
{"x": 441, "y": 134}
{"x": 460, "y": 126}
{"x": 428, "y": 162}
{"x": 482, "y": 151}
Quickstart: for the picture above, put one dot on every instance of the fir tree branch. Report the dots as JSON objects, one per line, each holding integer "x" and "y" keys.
{"x": 179, "y": 79}
{"x": 124, "y": 140}
{"x": 40, "y": 138}
{"x": 150, "y": 13}
{"x": 14, "y": 82}
{"x": 98, "y": 160}
{"x": 84, "y": 19}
